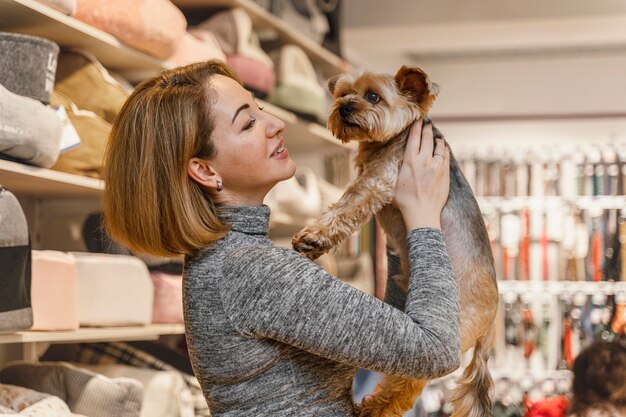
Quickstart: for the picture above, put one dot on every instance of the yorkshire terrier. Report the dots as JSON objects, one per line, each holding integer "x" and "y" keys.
{"x": 377, "y": 110}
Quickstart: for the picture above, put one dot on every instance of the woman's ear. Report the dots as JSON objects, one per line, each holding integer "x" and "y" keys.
{"x": 204, "y": 174}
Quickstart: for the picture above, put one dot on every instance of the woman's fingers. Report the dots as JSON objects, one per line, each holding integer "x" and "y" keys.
{"x": 441, "y": 150}
{"x": 427, "y": 145}
{"x": 413, "y": 142}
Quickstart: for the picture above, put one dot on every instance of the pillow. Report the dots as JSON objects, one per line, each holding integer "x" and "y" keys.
{"x": 84, "y": 391}
{"x": 25, "y": 402}
{"x": 28, "y": 65}
{"x": 165, "y": 393}
{"x": 30, "y": 132}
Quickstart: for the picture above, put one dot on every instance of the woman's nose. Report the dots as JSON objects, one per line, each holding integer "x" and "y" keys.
{"x": 275, "y": 126}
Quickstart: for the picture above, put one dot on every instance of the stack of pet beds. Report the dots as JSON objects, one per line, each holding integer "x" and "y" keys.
{"x": 143, "y": 379}
{"x": 30, "y": 131}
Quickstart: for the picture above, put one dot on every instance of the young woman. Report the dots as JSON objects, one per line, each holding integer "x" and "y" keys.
{"x": 190, "y": 159}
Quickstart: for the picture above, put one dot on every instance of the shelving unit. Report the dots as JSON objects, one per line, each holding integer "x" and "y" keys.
{"x": 35, "y": 186}
{"x": 33, "y": 18}
{"x": 262, "y": 19}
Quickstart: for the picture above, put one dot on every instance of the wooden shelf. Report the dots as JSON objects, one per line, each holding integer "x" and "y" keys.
{"x": 94, "y": 334}
{"x": 40, "y": 182}
{"x": 33, "y": 18}
{"x": 330, "y": 63}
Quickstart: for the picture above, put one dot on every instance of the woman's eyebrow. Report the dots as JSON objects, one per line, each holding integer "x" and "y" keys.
{"x": 243, "y": 107}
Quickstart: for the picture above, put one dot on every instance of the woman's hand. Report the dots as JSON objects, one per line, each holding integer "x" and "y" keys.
{"x": 424, "y": 178}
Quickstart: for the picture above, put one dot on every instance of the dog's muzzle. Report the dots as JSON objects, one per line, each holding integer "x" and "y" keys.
{"x": 346, "y": 110}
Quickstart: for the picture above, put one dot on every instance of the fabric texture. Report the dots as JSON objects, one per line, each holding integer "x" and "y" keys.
{"x": 123, "y": 353}
{"x": 84, "y": 81}
{"x": 233, "y": 30}
{"x": 30, "y": 132}
{"x": 297, "y": 87}
{"x": 164, "y": 392}
{"x": 28, "y": 65}
{"x": 113, "y": 290}
{"x": 15, "y": 258}
{"x": 24, "y": 402}
{"x": 152, "y": 26}
{"x": 54, "y": 291}
{"x": 196, "y": 47}
{"x": 87, "y": 158}
{"x": 84, "y": 392}
{"x": 270, "y": 333}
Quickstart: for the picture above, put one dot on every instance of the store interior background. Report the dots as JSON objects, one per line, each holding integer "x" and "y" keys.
{"x": 530, "y": 82}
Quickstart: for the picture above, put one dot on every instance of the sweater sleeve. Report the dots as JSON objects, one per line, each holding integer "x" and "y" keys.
{"x": 279, "y": 294}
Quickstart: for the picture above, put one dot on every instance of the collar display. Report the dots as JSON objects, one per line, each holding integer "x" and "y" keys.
{"x": 253, "y": 220}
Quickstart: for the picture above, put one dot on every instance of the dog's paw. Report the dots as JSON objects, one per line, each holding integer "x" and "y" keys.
{"x": 311, "y": 242}
{"x": 377, "y": 406}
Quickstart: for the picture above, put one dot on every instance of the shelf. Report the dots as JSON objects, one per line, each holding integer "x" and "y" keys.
{"x": 582, "y": 202}
{"x": 562, "y": 288}
{"x": 94, "y": 334}
{"x": 33, "y": 18}
{"x": 330, "y": 63}
{"x": 40, "y": 182}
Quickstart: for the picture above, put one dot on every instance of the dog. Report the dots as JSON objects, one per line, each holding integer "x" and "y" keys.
{"x": 377, "y": 110}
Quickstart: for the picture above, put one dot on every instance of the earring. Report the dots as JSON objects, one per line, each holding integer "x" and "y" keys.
{"x": 220, "y": 187}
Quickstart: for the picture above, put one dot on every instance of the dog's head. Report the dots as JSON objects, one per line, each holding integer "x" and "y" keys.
{"x": 376, "y": 107}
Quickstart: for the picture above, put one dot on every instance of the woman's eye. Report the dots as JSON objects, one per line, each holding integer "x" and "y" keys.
{"x": 250, "y": 124}
{"x": 372, "y": 97}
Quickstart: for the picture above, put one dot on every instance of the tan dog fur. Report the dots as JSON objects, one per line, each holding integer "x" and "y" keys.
{"x": 377, "y": 110}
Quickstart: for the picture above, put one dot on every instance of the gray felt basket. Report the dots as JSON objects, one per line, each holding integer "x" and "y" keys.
{"x": 28, "y": 65}
{"x": 15, "y": 260}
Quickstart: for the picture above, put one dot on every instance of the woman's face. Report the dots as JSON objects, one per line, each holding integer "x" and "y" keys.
{"x": 251, "y": 154}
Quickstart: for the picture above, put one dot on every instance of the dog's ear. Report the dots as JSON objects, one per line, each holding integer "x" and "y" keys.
{"x": 414, "y": 83}
{"x": 332, "y": 82}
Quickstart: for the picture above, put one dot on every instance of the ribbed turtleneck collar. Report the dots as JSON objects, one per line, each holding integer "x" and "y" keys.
{"x": 252, "y": 220}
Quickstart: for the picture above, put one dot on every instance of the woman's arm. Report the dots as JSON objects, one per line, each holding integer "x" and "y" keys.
{"x": 279, "y": 294}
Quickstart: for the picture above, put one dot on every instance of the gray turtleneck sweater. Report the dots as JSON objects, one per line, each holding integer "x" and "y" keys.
{"x": 271, "y": 334}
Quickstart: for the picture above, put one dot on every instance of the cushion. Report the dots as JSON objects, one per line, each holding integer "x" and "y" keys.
{"x": 168, "y": 298}
{"x": 24, "y": 402}
{"x": 297, "y": 89}
{"x": 254, "y": 74}
{"x": 192, "y": 49}
{"x": 164, "y": 392}
{"x": 233, "y": 30}
{"x": 146, "y": 355}
{"x": 83, "y": 80}
{"x": 152, "y": 26}
{"x": 65, "y": 6}
{"x": 28, "y": 65}
{"x": 30, "y": 132}
{"x": 113, "y": 290}
{"x": 87, "y": 158}
{"x": 15, "y": 279}
{"x": 54, "y": 291}
{"x": 85, "y": 392}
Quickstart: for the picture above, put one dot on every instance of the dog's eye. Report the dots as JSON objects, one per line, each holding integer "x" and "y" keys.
{"x": 372, "y": 97}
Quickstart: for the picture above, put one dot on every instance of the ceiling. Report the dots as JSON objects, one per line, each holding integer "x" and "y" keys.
{"x": 382, "y": 35}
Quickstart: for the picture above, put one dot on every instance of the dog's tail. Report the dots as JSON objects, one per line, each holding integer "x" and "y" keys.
{"x": 472, "y": 396}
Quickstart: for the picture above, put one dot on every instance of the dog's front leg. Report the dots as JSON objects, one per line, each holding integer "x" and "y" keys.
{"x": 365, "y": 197}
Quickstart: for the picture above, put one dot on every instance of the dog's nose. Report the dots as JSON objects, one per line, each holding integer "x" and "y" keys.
{"x": 346, "y": 110}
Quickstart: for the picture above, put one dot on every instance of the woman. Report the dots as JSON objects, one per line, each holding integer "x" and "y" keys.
{"x": 190, "y": 159}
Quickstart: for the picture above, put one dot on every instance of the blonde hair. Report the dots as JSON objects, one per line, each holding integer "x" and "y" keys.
{"x": 150, "y": 204}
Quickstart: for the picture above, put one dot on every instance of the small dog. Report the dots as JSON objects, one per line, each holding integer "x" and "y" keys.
{"x": 377, "y": 110}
